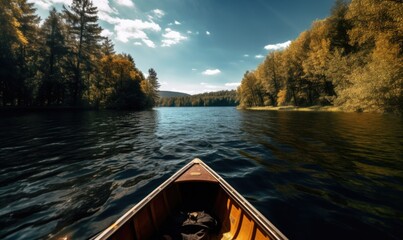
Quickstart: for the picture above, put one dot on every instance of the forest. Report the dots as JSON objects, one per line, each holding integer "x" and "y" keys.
{"x": 220, "y": 98}
{"x": 65, "y": 62}
{"x": 351, "y": 60}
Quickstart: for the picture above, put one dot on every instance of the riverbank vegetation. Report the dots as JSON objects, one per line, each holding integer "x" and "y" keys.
{"x": 351, "y": 60}
{"x": 65, "y": 62}
{"x": 220, "y": 98}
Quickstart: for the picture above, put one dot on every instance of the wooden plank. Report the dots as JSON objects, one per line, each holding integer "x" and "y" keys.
{"x": 196, "y": 173}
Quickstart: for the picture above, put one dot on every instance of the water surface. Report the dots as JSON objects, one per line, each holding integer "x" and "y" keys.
{"x": 314, "y": 175}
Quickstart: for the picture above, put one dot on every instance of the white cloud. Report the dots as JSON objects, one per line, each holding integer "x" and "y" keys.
{"x": 46, "y": 4}
{"x": 41, "y": 4}
{"x": 148, "y": 42}
{"x": 189, "y": 32}
{"x": 103, "y": 6}
{"x": 177, "y": 23}
{"x": 210, "y": 72}
{"x": 105, "y": 10}
{"x": 106, "y": 33}
{"x": 233, "y": 84}
{"x": 172, "y": 37}
{"x": 126, "y": 3}
{"x": 208, "y": 33}
{"x": 194, "y": 69}
{"x": 246, "y": 55}
{"x": 158, "y": 13}
{"x": 277, "y": 46}
{"x": 127, "y": 29}
{"x": 138, "y": 43}
{"x": 259, "y": 56}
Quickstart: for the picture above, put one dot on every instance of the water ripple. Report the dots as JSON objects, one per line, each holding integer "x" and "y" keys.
{"x": 73, "y": 174}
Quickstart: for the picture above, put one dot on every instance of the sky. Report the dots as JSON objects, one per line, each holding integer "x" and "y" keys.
{"x": 200, "y": 46}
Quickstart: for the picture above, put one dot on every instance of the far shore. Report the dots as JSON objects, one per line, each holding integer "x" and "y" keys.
{"x": 294, "y": 108}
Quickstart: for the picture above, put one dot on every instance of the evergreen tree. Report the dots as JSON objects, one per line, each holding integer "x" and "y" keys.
{"x": 107, "y": 47}
{"x": 27, "y": 54}
{"x": 54, "y": 51}
{"x": 82, "y": 18}
{"x": 150, "y": 87}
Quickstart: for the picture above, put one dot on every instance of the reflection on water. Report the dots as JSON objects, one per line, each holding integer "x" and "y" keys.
{"x": 333, "y": 172}
{"x": 311, "y": 174}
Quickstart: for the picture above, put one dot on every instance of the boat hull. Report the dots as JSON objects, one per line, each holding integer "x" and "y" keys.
{"x": 195, "y": 187}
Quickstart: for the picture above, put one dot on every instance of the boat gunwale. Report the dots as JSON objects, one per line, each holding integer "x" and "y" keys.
{"x": 105, "y": 234}
{"x": 258, "y": 217}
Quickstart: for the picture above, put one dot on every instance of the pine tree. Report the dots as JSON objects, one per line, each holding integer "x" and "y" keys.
{"x": 150, "y": 87}
{"x": 54, "y": 51}
{"x": 107, "y": 47}
{"x": 82, "y": 19}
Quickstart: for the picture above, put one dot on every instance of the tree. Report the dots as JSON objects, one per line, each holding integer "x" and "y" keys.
{"x": 297, "y": 87}
{"x": 11, "y": 36}
{"x": 338, "y": 27}
{"x": 377, "y": 86}
{"x": 19, "y": 26}
{"x": 352, "y": 59}
{"x": 107, "y": 47}
{"x": 250, "y": 91}
{"x": 320, "y": 90}
{"x": 27, "y": 54}
{"x": 126, "y": 79}
{"x": 82, "y": 19}
{"x": 372, "y": 18}
{"x": 53, "y": 50}
{"x": 268, "y": 74}
{"x": 150, "y": 87}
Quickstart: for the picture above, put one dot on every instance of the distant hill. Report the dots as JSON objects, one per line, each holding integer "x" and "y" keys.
{"x": 220, "y": 98}
{"x": 172, "y": 94}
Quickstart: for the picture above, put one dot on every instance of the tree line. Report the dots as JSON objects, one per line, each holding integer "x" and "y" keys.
{"x": 66, "y": 62}
{"x": 220, "y": 98}
{"x": 352, "y": 60}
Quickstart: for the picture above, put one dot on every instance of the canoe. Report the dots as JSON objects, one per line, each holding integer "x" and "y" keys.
{"x": 195, "y": 190}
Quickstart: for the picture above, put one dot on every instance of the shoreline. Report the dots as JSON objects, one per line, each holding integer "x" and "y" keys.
{"x": 294, "y": 108}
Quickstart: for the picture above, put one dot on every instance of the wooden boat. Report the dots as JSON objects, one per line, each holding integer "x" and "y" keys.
{"x": 195, "y": 187}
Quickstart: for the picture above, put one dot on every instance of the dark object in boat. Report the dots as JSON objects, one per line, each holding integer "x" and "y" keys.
{"x": 194, "y": 189}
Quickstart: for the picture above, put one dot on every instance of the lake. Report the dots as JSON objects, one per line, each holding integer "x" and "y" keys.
{"x": 315, "y": 175}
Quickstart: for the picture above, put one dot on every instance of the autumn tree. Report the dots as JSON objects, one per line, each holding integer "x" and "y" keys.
{"x": 376, "y": 81}
{"x": 19, "y": 24}
{"x": 352, "y": 59}
{"x": 297, "y": 88}
{"x": 11, "y": 36}
{"x": 125, "y": 80}
{"x": 268, "y": 73}
{"x": 250, "y": 91}
{"x": 338, "y": 27}
{"x": 320, "y": 89}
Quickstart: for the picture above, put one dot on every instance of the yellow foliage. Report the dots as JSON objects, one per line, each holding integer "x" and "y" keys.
{"x": 282, "y": 97}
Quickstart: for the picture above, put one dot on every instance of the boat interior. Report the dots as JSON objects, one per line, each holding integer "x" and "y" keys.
{"x": 154, "y": 219}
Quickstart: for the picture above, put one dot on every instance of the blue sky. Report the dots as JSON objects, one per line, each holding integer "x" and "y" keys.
{"x": 201, "y": 45}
